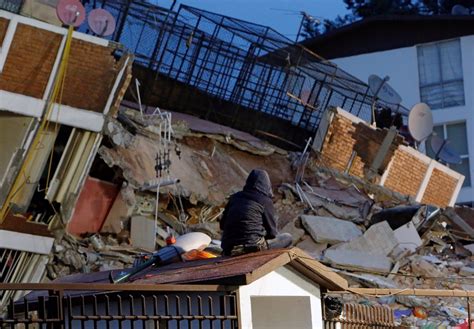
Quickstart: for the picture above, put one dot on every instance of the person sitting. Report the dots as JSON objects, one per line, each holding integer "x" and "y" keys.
{"x": 248, "y": 222}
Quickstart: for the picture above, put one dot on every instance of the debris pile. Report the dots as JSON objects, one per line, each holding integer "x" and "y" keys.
{"x": 372, "y": 236}
{"x": 379, "y": 239}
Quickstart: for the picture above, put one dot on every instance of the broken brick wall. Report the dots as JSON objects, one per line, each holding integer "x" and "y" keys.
{"x": 404, "y": 169}
{"x": 345, "y": 136}
{"x": 91, "y": 68}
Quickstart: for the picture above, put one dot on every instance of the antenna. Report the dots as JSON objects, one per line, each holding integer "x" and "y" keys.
{"x": 71, "y": 12}
{"x": 382, "y": 90}
{"x": 101, "y": 22}
{"x": 459, "y": 10}
{"x": 444, "y": 151}
{"x": 420, "y": 122}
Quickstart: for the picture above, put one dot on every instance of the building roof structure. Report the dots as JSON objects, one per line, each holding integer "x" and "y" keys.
{"x": 381, "y": 33}
{"x": 233, "y": 271}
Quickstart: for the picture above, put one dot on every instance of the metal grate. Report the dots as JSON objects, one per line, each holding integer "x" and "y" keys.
{"x": 11, "y": 5}
{"x": 223, "y": 68}
{"x": 123, "y": 309}
{"x": 362, "y": 316}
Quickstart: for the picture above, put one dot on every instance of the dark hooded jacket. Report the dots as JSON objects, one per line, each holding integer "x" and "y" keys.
{"x": 249, "y": 214}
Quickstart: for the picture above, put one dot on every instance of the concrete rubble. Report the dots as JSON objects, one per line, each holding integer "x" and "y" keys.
{"x": 371, "y": 235}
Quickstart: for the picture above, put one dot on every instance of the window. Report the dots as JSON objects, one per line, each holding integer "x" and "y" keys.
{"x": 441, "y": 77}
{"x": 457, "y": 135}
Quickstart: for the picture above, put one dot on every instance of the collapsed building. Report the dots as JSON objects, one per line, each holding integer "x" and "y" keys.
{"x": 90, "y": 181}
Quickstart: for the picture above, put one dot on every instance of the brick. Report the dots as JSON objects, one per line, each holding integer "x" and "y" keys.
{"x": 89, "y": 76}
{"x": 440, "y": 189}
{"x": 3, "y": 28}
{"x": 30, "y": 60}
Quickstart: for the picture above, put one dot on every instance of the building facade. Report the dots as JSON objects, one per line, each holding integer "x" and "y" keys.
{"x": 428, "y": 60}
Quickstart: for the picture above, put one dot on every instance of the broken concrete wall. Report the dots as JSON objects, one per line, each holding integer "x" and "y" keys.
{"x": 209, "y": 167}
{"x": 347, "y": 134}
{"x": 352, "y": 146}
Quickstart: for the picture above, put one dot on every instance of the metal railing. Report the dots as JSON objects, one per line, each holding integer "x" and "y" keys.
{"x": 120, "y": 306}
{"x": 361, "y": 316}
{"x": 222, "y": 68}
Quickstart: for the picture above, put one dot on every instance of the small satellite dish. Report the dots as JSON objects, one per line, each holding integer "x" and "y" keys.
{"x": 101, "y": 22}
{"x": 71, "y": 12}
{"x": 444, "y": 151}
{"x": 459, "y": 10}
{"x": 420, "y": 122}
{"x": 382, "y": 90}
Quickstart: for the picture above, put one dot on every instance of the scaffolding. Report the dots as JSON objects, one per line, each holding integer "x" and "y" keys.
{"x": 224, "y": 69}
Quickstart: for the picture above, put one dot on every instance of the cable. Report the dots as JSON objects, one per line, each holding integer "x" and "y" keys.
{"x": 22, "y": 177}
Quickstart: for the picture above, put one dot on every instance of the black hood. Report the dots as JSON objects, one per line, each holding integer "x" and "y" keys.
{"x": 259, "y": 180}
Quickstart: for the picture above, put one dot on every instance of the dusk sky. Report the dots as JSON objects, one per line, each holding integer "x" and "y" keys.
{"x": 281, "y": 15}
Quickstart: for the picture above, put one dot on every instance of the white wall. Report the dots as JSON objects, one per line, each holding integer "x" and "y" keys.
{"x": 401, "y": 65}
{"x": 282, "y": 282}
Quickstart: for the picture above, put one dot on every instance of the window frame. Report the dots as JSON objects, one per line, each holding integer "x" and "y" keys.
{"x": 442, "y": 82}
{"x": 462, "y": 156}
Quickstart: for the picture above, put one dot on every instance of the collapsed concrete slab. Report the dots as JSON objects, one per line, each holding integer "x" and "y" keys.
{"x": 330, "y": 230}
{"x": 208, "y": 169}
{"x": 312, "y": 248}
{"x": 296, "y": 232}
{"x": 378, "y": 239}
{"x": 358, "y": 261}
{"x": 408, "y": 237}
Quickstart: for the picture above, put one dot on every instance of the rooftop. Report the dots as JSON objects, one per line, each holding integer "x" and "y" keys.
{"x": 381, "y": 33}
{"x": 241, "y": 270}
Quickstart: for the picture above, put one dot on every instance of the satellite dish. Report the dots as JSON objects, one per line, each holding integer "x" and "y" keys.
{"x": 71, "y": 12}
{"x": 101, "y": 22}
{"x": 382, "y": 90}
{"x": 420, "y": 122}
{"x": 459, "y": 10}
{"x": 444, "y": 151}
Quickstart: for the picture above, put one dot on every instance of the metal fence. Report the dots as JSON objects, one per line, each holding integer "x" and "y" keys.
{"x": 242, "y": 74}
{"x": 120, "y": 306}
{"x": 361, "y": 316}
{"x": 236, "y": 64}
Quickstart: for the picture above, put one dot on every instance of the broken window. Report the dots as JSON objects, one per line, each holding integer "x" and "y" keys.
{"x": 441, "y": 74}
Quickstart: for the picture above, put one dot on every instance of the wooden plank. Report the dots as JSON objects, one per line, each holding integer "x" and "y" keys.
{"x": 19, "y": 223}
{"x": 113, "y": 287}
{"x": 406, "y": 292}
{"x": 327, "y": 276}
{"x": 268, "y": 267}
